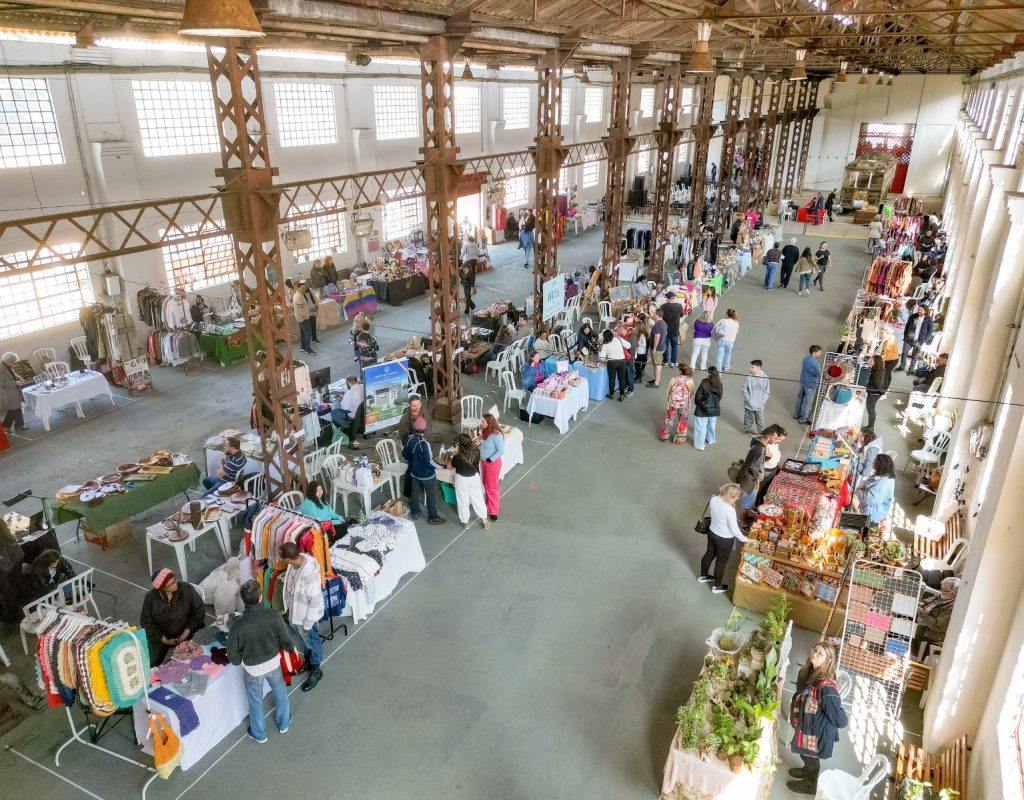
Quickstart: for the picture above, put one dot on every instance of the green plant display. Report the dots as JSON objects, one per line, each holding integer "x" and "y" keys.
{"x": 711, "y": 744}
{"x": 948, "y": 794}
{"x": 757, "y": 711}
{"x": 691, "y": 725}
{"x": 732, "y": 626}
{"x": 775, "y": 619}
{"x": 766, "y": 692}
{"x": 894, "y": 551}
{"x": 915, "y": 790}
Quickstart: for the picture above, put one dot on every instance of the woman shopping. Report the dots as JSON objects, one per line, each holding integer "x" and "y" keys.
{"x": 702, "y": 330}
{"x": 805, "y": 270}
{"x": 492, "y": 448}
{"x": 707, "y": 408}
{"x": 817, "y": 716}
{"x": 469, "y": 491}
{"x": 875, "y": 495}
{"x": 613, "y": 352}
{"x": 725, "y": 332}
{"x": 875, "y": 388}
{"x": 677, "y": 417}
{"x": 722, "y": 537}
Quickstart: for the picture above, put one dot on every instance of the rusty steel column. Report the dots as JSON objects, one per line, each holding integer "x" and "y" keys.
{"x": 701, "y": 139}
{"x": 668, "y": 138}
{"x": 751, "y": 127}
{"x": 785, "y": 118}
{"x": 765, "y": 149}
{"x": 617, "y": 144}
{"x": 810, "y": 112}
{"x": 548, "y": 155}
{"x": 793, "y": 151}
{"x": 251, "y": 214}
{"x": 441, "y": 176}
{"x": 730, "y": 127}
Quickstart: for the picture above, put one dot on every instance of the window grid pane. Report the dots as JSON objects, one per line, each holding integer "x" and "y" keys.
{"x": 593, "y": 104}
{"x": 646, "y": 101}
{"x": 402, "y": 216}
{"x": 643, "y": 162}
{"x": 396, "y": 112}
{"x": 28, "y": 127}
{"x": 175, "y": 117}
{"x": 328, "y": 235}
{"x": 198, "y": 265}
{"x": 38, "y": 300}
{"x": 305, "y": 114}
{"x": 515, "y": 103}
{"x": 591, "y": 173}
{"x": 566, "y": 107}
{"x": 563, "y": 178}
{"x": 517, "y": 190}
{"x": 467, "y": 108}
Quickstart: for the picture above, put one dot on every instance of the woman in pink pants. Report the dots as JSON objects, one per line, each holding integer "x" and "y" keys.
{"x": 492, "y": 448}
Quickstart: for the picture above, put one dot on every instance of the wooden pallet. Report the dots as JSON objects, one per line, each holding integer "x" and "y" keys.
{"x": 948, "y": 770}
{"x": 926, "y": 548}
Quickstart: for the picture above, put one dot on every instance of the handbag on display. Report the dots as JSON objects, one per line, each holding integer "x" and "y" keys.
{"x": 167, "y": 747}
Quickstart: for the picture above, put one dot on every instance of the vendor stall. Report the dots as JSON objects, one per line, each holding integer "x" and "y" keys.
{"x": 561, "y": 397}
{"x": 227, "y": 344}
{"x": 513, "y": 456}
{"x": 395, "y": 289}
{"x": 50, "y": 394}
{"x": 596, "y": 375}
{"x": 354, "y": 300}
{"x": 215, "y": 515}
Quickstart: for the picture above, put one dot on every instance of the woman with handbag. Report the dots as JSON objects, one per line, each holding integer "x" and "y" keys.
{"x": 816, "y": 715}
{"x": 469, "y": 491}
{"x": 707, "y": 408}
{"x": 723, "y": 532}
{"x": 677, "y": 416}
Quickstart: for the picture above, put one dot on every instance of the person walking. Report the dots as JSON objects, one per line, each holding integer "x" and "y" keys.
{"x": 829, "y": 203}
{"x": 749, "y": 473}
{"x": 303, "y": 313}
{"x": 810, "y": 377}
{"x": 467, "y": 276}
{"x": 911, "y": 340}
{"x": 423, "y": 470}
{"x": 875, "y": 495}
{"x": 756, "y": 390}
{"x": 806, "y": 268}
{"x": 823, "y": 258}
{"x": 703, "y": 327}
{"x": 707, "y": 408}
{"x": 816, "y": 714}
{"x": 772, "y": 259}
{"x": 613, "y": 353}
{"x": 724, "y": 334}
{"x": 658, "y": 347}
{"x": 875, "y": 387}
{"x": 890, "y": 354}
{"x": 773, "y": 437}
{"x": 10, "y": 394}
{"x": 722, "y": 537}
{"x": 469, "y": 490}
{"x": 790, "y": 255}
{"x": 492, "y": 448}
{"x": 743, "y": 247}
{"x": 709, "y": 301}
{"x": 677, "y": 416}
{"x": 255, "y": 642}
{"x": 304, "y": 604}
{"x": 526, "y": 228}
{"x": 874, "y": 233}
{"x": 640, "y": 343}
{"x": 672, "y": 314}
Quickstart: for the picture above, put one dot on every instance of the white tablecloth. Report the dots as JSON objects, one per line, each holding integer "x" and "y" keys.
{"x": 562, "y": 410}
{"x": 220, "y": 711}
{"x": 407, "y": 556}
{"x": 79, "y": 388}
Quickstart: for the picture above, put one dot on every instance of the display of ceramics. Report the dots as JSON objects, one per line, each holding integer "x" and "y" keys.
{"x": 70, "y": 492}
{"x": 91, "y": 497}
{"x": 114, "y": 477}
{"x": 128, "y": 469}
{"x": 148, "y": 461}
{"x": 226, "y": 489}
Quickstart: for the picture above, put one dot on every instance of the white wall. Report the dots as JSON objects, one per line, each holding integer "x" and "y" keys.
{"x": 931, "y": 102}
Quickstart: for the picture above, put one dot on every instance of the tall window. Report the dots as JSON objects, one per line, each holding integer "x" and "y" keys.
{"x": 646, "y": 101}
{"x": 198, "y": 265}
{"x": 563, "y": 178}
{"x": 402, "y": 215}
{"x": 686, "y": 98}
{"x": 517, "y": 191}
{"x": 396, "y": 112}
{"x": 1004, "y": 123}
{"x": 566, "y": 107}
{"x": 175, "y": 117}
{"x": 467, "y": 108}
{"x": 591, "y": 173}
{"x": 305, "y": 114}
{"x": 515, "y": 104}
{"x": 33, "y": 301}
{"x": 681, "y": 154}
{"x": 28, "y": 128}
{"x": 593, "y": 104}
{"x": 328, "y": 234}
{"x": 643, "y": 162}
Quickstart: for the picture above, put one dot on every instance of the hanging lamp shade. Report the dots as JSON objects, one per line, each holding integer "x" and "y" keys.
{"x": 221, "y": 18}
{"x": 863, "y": 77}
{"x": 701, "y": 61}
{"x": 585, "y": 78}
{"x": 881, "y": 79}
{"x": 799, "y": 73}
{"x": 889, "y": 82}
{"x": 467, "y": 72}
{"x": 841, "y": 77}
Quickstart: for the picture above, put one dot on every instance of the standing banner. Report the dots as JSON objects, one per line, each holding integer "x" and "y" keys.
{"x": 387, "y": 392}
{"x": 554, "y": 296}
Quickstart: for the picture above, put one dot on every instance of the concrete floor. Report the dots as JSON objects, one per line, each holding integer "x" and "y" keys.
{"x": 545, "y": 658}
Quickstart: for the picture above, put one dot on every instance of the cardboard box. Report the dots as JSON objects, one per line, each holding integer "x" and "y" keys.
{"x": 110, "y": 536}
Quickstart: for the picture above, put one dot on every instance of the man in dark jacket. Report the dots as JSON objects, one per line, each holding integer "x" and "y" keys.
{"x": 771, "y": 265}
{"x": 829, "y": 202}
{"x": 255, "y": 642}
{"x": 171, "y": 614}
{"x": 922, "y": 383}
{"x": 422, "y": 468}
{"x": 911, "y": 340}
{"x": 790, "y": 255}
{"x": 672, "y": 313}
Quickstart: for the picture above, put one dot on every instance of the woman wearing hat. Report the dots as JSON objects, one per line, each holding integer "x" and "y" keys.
{"x": 171, "y": 614}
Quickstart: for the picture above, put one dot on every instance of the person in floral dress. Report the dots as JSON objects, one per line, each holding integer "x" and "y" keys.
{"x": 680, "y": 390}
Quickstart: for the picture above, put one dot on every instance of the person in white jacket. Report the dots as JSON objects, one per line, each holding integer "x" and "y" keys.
{"x": 304, "y": 603}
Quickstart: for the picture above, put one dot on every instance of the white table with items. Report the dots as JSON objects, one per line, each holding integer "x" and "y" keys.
{"x": 577, "y": 399}
{"x": 81, "y": 386}
{"x": 220, "y": 525}
{"x": 513, "y": 456}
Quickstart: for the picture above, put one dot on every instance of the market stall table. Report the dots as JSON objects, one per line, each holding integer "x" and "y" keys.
{"x": 513, "y": 456}
{"x": 81, "y": 386}
{"x": 563, "y": 409}
{"x": 219, "y": 523}
{"x": 364, "y": 491}
{"x": 398, "y": 290}
{"x": 227, "y": 347}
{"x": 597, "y": 378}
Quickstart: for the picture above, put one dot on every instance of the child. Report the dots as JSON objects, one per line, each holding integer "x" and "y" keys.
{"x": 756, "y": 390}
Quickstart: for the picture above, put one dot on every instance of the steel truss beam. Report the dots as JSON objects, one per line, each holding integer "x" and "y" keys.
{"x": 730, "y": 128}
{"x": 702, "y": 138}
{"x": 441, "y": 174}
{"x": 750, "y": 148}
{"x": 793, "y": 151}
{"x": 668, "y": 137}
{"x": 785, "y": 118}
{"x": 618, "y": 145}
{"x": 810, "y": 111}
{"x": 251, "y": 213}
{"x": 769, "y": 123}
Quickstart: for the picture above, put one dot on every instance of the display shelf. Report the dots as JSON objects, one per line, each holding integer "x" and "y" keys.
{"x": 811, "y": 614}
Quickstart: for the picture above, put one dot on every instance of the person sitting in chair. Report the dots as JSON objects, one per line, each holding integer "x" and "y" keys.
{"x": 48, "y": 571}
{"x": 171, "y": 614}
{"x": 231, "y": 466}
{"x": 933, "y": 614}
{"x": 345, "y": 412}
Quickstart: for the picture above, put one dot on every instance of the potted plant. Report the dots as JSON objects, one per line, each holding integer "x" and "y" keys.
{"x": 727, "y": 639}
{"x": 710, "y": 744}
{"x": 894, "y": 552}
{"x": 915, "y": 790}
{"x": 767, "y": 692}
{"x": 948, "y": 794}
{"x": 745, "y": 666}
{"x": 750, "y": 747}
{"x": 774, "y": 623}
{"x": 691, "y": 724}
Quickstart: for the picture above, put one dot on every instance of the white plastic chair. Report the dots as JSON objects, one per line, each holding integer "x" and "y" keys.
{"x": 951, "y": 561}
{"x": 555, "y": 340}
{"x": 844, "y": 682}
{"x": 311, "y": 463}
{"x": 81, "y": 347}
{"x": 508, "y": 381}
{"x": 587, "y": 321}
{"x": 472, "y": 412}
{"x": 416, "y": 386}
{"x": 43, "y": 356}
{"x": 834, "y": 784}
{"x": 920, "y": 404}
{"x": 256, "y": 485}
{"x": 935, "y": 446}
{"x": 387, "y": 451}
{"x": 4, "y": 659}
{"x": 74, "y": 593}
{"x": 604, "y": 309}
{"x": 498, "y": 364}
{"x": 332, "y": 471}
{"x": 291, "y": 500}
{"x": 57, "y": 369}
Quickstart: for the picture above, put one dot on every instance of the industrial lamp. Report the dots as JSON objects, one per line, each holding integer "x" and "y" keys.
{"x": 221, "y": 18}
{"x": 863, "y": 77}
{"x": 841, "y": 77}
{"x": 362, "y": 224}
{"x": 799, "y": 73}
{"x": 585, "y": 78}
{"x": 701, "y": 60}
{"x": 467, "y": 72}
{"x": 881, "y": 79}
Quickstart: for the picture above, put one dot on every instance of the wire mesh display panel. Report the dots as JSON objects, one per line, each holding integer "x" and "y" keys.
{"x": 849, "y": 368}
{"x": 881, "y": 613}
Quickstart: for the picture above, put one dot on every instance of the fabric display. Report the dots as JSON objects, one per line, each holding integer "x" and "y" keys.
{"x": 175, "y": 347}
{"x": 109, "y": 335}
{"x": 182, "y": 707}
{"x": 150, "y": 303}
{"x": 359, "y": 555}
{"x": 171, "y": 672}
{"x": 167, "y": 747}
{"x": 889, "y": 276}
{"x": 273, "y": 526}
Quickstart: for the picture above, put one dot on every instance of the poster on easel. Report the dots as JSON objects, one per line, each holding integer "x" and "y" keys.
{"x": 387, "y": 392}
{"x": 554, "y": 296}
{"x": 137, "y": 377}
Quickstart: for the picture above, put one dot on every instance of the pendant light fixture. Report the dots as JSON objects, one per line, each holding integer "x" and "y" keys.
{"x": 585, "y": 78}
{"x": 841, "y": 77}
{"x": 881, "y": 79}
{"x": 889, "y": 82}
{"x": 799, "y": 73}
{"x": 863, "y": 77}
{"x": 467, "y": 72}
{"x": 220, "y": 18}
{"x": 701, "y": 61}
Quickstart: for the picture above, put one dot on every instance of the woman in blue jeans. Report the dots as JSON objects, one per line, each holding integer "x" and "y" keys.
{"x": 707, "y": 409}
